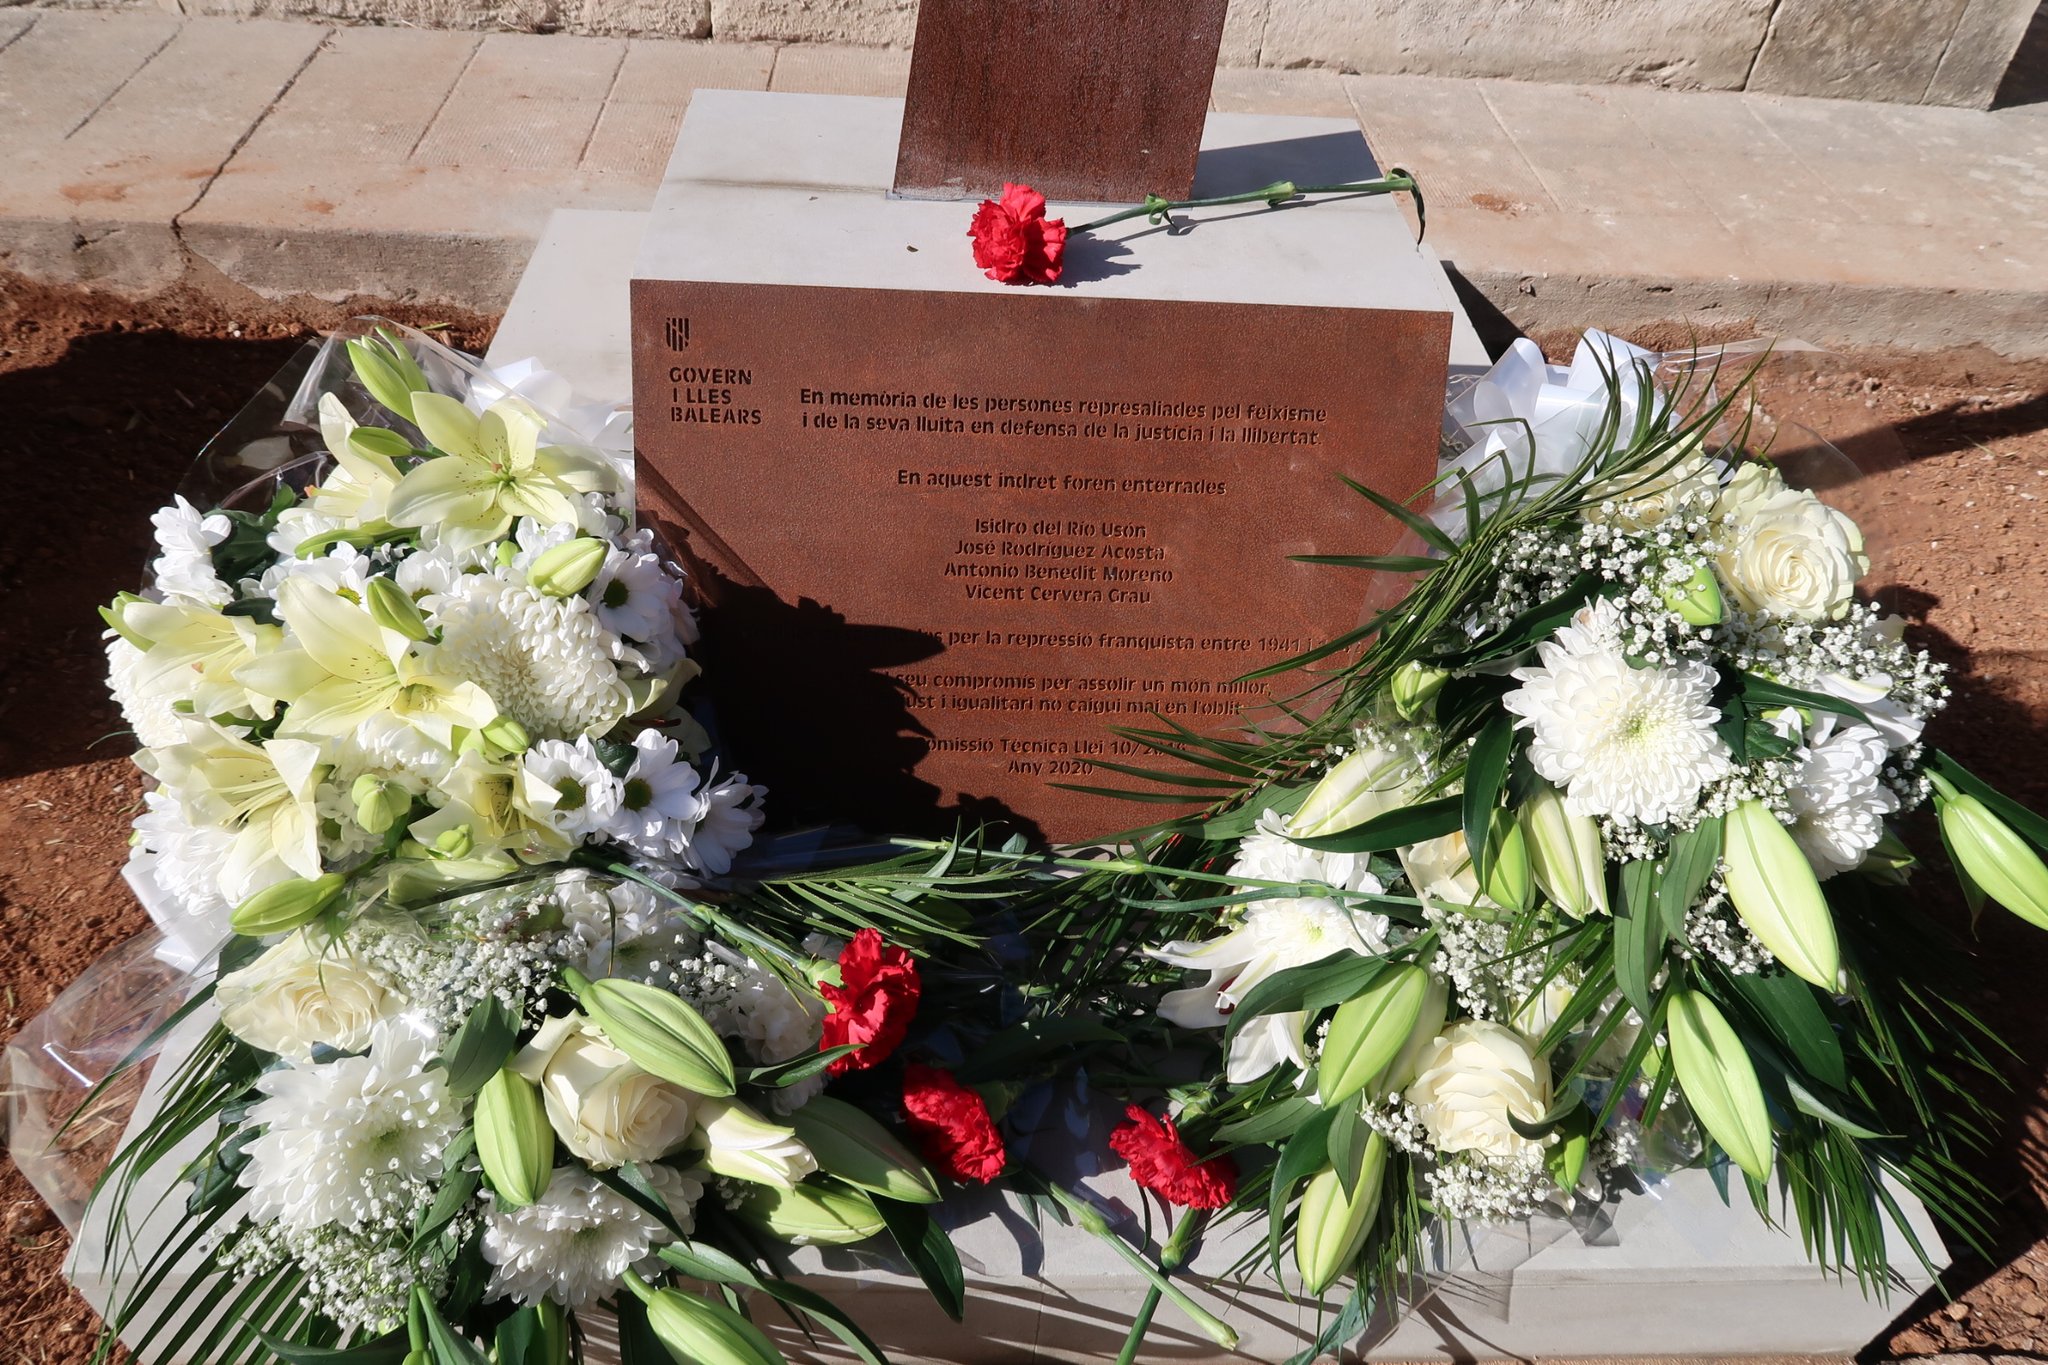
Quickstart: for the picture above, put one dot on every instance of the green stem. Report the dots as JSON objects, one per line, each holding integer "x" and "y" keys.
{"x": 642, "y": 1290}
{"x": 1273, "y": 196}
{"x": 416, "y": 1320}
{"x": 1091, "y": 1220}
{"x": 1140, "y": 1324}
{"x": 1171, "y": 1257}
{"x": 1135, "y": 867}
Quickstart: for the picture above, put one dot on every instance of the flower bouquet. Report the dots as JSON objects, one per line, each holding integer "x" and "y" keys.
{"x": 1583, "y": 857}
{"x": 497, "y": 1028}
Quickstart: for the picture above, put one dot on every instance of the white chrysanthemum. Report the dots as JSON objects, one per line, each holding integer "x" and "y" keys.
{"x": 185, "y": 861}
{"x": 147, "y": 708}
{"x": 590, "y": 794}
{"x": 534, "y": 538}
{"x": 1268, "y": 855}
{"x": 1628, "y": 743}
{"x": 544, "y": 660}
{"x": 437, "y": 569}
{"x": 573, "y": 1243}
{"x": 728, "y": 813}
{"x": 296, "y": 525}
{"x": 638, "y": 598}
{"x": 343, "y": 569}
{"x": 184, "y": 562}
{"x": 1838, "y": 798}
{"x": 1272, "y": 936}
{"x": 350, "y": 1141}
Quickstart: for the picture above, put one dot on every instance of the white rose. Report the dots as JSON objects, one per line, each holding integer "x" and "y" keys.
{"x": 1470, "y": 1080}
{"x": 1793, "y": 556}
{"x": 1441, "y": 872}
{"x": 306, "y": 990}
{"x": 605, "y": 1109}
{"x": 1641, "y": 500}
{"x": 1753, "y": 484}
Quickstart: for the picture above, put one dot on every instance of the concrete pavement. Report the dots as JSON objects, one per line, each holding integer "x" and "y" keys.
{"x": 143, "y": 151}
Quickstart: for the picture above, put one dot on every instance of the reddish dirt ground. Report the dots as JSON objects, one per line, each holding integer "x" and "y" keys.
{"x": 107, "y": 402}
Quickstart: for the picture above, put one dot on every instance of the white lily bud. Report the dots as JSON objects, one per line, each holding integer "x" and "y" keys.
{"x": 2003, "y": 865}
{"x": 1429, "y": 1022}
{"x": 697, "y": 1331}
{"x": 506, "y": 735}
{"x": 513, "y": 1138}
{"x": 812, "y": 1214}
{"x": 1698, "y": 599}
{"x": 1719, "y": 1082}
{"x": 860, "y": 1151}
{"x": 1365, "y": 783}
{"x": 285, "y": 906}
{"x": 1567, "y": 854}
{"x": 662, "y": 1034}
{"x": 379, "y": 802}
{"x": 1509, "y": 883}
{"x": 391, "y": 607}
{"x": 1331, "y": 1226}
{"x": 1414, "y": 686}
{"x": 1369, "y": 1030}
{"x": 568, "y": 568}
{"x": 1773, "y": 890}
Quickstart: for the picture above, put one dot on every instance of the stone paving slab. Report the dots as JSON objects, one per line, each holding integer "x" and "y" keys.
{"x": 143, "y": 149}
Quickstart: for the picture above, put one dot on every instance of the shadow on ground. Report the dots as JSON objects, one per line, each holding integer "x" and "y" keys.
{"x": 93, "y": 442}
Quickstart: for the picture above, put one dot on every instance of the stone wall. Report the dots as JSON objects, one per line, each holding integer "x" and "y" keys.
{"x": 1900, "y": 51}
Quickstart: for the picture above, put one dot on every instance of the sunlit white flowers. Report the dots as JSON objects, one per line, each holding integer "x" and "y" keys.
{"x": 493, "y": 471}
{"x": 573, "y": 1244}
{"x": 1636, "y": 743}
{"x": 1472, "y": 1081}
{"x": 1272, "y": 936}
{"x": 605, "y": 1109}
{"x": 305, "y": 990}
{"x": 350, "y": 1141}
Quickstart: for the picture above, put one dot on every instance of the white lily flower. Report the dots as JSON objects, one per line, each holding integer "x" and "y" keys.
{"x": 347, "y": 669}
{"x": 359, "y": 487}
{"x": 265, "y": 793}
{"x": 1272, "y": 936}
{"x": 493, "y": 472}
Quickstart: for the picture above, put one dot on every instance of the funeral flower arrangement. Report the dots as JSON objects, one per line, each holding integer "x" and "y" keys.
{"x": 1586, "y": 863}
{"x": 500, "y": 1038}
{"x": 1579, "y": 860}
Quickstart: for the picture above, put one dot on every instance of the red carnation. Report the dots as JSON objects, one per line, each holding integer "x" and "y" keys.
{"x": 951, "y": 1125}
{"x": 872, "y": 1005}
{"x": 1013, "y": 239}
{"x": 1162, "y": 1163}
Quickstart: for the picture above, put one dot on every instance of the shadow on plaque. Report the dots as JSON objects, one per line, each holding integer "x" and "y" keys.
{"x": 801, "y": 703}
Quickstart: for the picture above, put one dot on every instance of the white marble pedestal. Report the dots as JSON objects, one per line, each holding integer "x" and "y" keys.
{"x": 1683, "y": 1275}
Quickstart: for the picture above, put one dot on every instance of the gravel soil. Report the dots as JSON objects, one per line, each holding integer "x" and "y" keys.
{"x": 104, "y": 403}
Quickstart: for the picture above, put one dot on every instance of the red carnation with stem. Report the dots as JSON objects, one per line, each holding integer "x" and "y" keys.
{"x": 1165, "y": 1165}
{"x": 1014, "y": 240}
{"x": 872, "y": 1005}
{"x": 951, "y": 1125}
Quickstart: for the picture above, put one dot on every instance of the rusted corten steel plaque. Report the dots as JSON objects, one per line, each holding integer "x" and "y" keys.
{"x": 946, "y": 541}
{"x": 1088, "y": 100}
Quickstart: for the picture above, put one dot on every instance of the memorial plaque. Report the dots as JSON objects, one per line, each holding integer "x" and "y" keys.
{"x": 947, "y": 541}
{"x": 1088, "y": 100}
